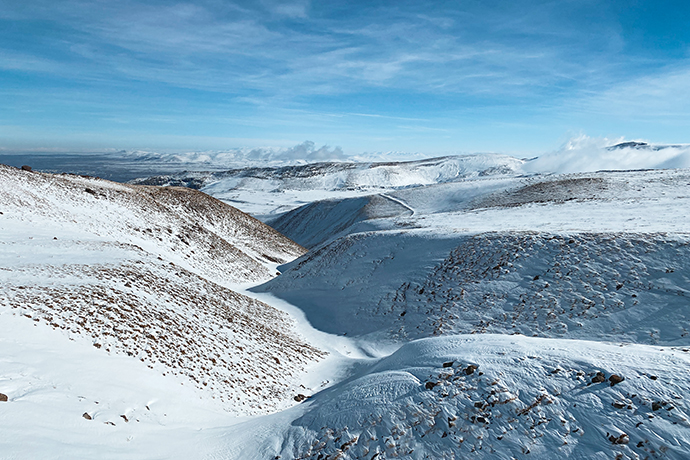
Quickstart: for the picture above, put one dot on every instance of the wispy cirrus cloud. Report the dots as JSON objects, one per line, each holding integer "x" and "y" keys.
{"x": 268, "y": 61}
{"x": 221, "y": 46}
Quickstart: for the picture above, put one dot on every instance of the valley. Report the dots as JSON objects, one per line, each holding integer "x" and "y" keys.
{"x": 460, "y": 307}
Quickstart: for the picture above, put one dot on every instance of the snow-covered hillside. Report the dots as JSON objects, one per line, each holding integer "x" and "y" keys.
{"x": 449, "y": 308}
{"x": 593, "y": 256}
{"x": 503, "y": 397}
{"x": 599, "y": 259}
{"x": 269, "y": 191}
{"x": 146, "y": 272}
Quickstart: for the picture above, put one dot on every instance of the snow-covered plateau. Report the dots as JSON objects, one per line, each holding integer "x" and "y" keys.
{"x": 459, "y": 307}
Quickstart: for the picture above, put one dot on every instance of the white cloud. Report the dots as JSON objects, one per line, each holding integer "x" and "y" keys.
{"x": 305, "y": 151}
{"x": 583, "y": 154}
{"x": 661, "y": 95}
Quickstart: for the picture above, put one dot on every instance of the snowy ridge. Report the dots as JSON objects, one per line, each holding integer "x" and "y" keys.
{"x": 237, "y": 246}
{"x": 148, "y": 273}
{"x": 268, "y": 191}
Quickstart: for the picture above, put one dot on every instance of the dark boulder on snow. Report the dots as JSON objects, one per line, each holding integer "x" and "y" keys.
{"x": 3, "y": 397}
{"x": 615, "y": 378}
{"x": 600, "y": 377}
{"x": 622, "y": 439}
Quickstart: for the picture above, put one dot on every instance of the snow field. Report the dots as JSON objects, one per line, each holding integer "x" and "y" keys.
{"x": 497, "y": 396}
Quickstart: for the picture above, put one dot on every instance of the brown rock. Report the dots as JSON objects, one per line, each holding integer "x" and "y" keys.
{"x": 600, "y": 377}
{"x": 615, "y": 378}
{"x": 3, "y": 397}
{"x": 622, "y": 439}
{"x": 26, "y": 168}
{"x": 469, "y": 370}
{"x": 300, "y": 397}
{"x": 87, "y": 416}
{"x": 448, "y": 364}
{"x": 430, "y": 385}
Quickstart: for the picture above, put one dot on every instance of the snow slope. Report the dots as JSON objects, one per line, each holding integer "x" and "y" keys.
{"x": 591, "y": 256}
{"x": 594, "y": 266}
{"x": 504, "y": 397}
{"x": 149, "y": 273}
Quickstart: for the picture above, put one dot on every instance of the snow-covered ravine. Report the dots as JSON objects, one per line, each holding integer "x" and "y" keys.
{"x": 124, "y": 329}
{"x": 593, "y": 265}
{"x": 476, "y": 316}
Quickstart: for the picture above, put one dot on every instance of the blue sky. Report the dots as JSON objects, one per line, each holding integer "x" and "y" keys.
{"x": 432, "y": 77}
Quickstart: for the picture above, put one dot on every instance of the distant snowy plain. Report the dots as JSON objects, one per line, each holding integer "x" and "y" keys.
{"x": 478, "y": 306}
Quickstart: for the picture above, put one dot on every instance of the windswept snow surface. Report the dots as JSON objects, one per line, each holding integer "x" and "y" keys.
{"x": 598, "y": 255}
{"x": 594, "y": 266}
{"x": 503, "y": 397}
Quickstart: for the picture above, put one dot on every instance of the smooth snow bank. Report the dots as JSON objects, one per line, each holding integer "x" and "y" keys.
{"x": 585, "y": 154}
{"x": 503, "y": 397}
{"x": 135, "y": 412}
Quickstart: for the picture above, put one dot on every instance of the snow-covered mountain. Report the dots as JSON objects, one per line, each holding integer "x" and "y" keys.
{"x": 450, "y": 308}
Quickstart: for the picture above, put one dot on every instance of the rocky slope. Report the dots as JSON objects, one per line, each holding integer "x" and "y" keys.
{"x": 148, "y": 273}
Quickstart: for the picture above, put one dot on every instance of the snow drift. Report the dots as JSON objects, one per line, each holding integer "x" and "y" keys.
{"x": 504, "y": 397}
